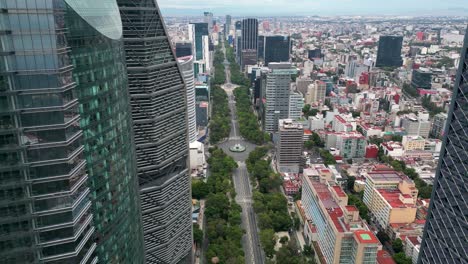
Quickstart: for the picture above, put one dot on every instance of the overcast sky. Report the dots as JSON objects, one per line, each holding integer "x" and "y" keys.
{"x": 315, "y": 7}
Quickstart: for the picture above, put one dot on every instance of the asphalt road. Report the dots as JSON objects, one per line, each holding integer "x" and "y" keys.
{"x": 251, "y": 240}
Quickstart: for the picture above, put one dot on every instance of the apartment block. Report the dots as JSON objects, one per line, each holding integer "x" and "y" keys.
{"x": 390, "y": 197}
{"x": 336, "y": 231}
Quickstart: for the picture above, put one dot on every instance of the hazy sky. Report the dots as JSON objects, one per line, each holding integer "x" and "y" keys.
{"x": 316, "y": 7}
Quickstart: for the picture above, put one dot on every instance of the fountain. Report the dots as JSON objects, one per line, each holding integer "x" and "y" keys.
{"x": 237, "y": 148}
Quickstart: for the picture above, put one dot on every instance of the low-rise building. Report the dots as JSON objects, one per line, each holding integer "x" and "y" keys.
{"x": 392, "y": 149}
{"x": 413, "y": 143}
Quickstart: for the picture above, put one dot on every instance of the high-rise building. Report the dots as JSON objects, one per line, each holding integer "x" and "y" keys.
{"x": 296, "y": 104}
{"x": 227, "y": 26}
{"x": 389, "y": 51}
{"x": 196, "y": 32}
{"x": 208, "y": 18}
{"x": 302, "y": 84}
{"x": 277, "y": 49}
{"x": 316, "y": 92}
{"x": 278, "y": 81}
{"x": 421, "y": 79}
{"x": 439, "y": 125}
{"x": 261, "y": 47}
{"x": 249, "y": 39}
{"x": 314, "y": 53}
{"x": 445, "y": 233}
{"x": 183, "y": 49}
{"x": 67, "y": 165}
{"x": 290, "y": 145}
{"x": 186, "y": 66}
{"x": 159, "y": 110}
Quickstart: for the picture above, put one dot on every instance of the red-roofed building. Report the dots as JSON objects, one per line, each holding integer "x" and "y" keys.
{"x": 333, "y": 224}
{"x": 383, "y": 257}
{"x": 291, "y": 187}
{"x": 391, "y": 197}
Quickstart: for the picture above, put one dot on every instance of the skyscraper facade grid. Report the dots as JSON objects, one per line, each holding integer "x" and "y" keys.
{"x": 249, "y": 40}
{"x": 159, "y": 110}
{"x": 446, "y": 230}
{"x": 277, "y": 49}
{"x": 68, "y": 177}
{"x": 389, "y": 51}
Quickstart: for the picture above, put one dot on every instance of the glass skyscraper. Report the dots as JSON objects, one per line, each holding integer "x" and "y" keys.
{"x": 159, "y": 110}
{"x": 389, "y": 51}
{"x": 277, "y": 49}
{"x": 446, "y": 231}
{"x": 68, "y": 186}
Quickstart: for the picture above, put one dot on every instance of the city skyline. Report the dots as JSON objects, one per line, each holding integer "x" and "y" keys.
{"x": 320, "y": 7}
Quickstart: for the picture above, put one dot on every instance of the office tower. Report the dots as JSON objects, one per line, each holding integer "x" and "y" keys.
{"x": 316, "y": 92}
{"x": 278, "y": 82}
{"x": 186, "y": 67}
{"x": 238, "y": 25}
{"x": 201, "y": 47}
{"x": 296, "y": 104}
{"x": 335, "y": 229}
{"x": 183, "y": 49}
{"x": 208, "y": 18}
{"x": 421, "y": 79}
{"x": 445, "y": 233}
{"x": 238, "y": 44}
{"x": 314, "y": 53}
{"x": 196, "y": 32}
{"x": 261, "y": 48}
{"x": 389, "y": 51}
{"x": 159, "y": 110}
{"x": 289, "y": 145}
{"x": 277, "y": 49}
{"x": 227, "y": 26}
{"x": 249, "y": 41}
{"x": 439, "y": 125}
{"x": 67, "y": 167}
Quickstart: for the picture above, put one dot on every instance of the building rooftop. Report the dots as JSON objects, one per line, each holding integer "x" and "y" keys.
{"x": 393, "y": 198}
{"x": 366, "y": 237}
{"x": 333, "y": 209}
{"x": 383, "y": 257}
{"x": 339, "y": 191}
{"x": 351, "y": 208}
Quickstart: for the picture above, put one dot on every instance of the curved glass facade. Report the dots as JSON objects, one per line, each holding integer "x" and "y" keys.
{"x": 68, "y": 189}
{"x": 45, "y": 201}
{"x": 101, "y": 89}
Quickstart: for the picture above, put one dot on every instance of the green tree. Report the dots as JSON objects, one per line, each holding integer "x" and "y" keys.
{"x": 268, "y": 240}
{"x": 397, "y": 245}
{"x": 401, "y": 258}
{"x": 283, "y": 240}
{"x": 197, "y": 235}
{"x": 199, "y": 189}
{"x": 350, "y": 183}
